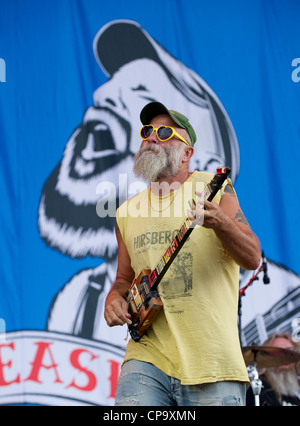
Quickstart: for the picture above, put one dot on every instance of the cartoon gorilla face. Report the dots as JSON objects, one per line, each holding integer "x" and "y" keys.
{"x": 101, "y": 149}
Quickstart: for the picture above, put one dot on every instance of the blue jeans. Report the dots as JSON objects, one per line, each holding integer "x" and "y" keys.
{"x": 142, "y": 384}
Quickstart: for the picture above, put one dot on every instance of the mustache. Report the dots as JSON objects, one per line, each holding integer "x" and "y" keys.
{"x": 146, "y": 148}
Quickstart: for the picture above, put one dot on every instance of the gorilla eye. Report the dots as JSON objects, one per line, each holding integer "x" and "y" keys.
{"x": 140, "y": 87}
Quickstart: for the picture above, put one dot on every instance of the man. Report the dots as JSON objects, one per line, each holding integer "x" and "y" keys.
{"x": 191, "y": 354}
{"x": 281, "y": 385}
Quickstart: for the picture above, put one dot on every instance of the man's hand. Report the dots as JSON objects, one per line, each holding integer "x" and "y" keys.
{"x": 206, "y": 213}
{"x": 116, "y": 308}
{"x": 231, "y": 227}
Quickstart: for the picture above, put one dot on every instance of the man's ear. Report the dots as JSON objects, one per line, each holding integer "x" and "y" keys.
{"x": 188, "y": 153}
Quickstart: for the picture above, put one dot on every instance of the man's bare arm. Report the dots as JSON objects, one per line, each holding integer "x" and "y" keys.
{"x": 116, "y": 306}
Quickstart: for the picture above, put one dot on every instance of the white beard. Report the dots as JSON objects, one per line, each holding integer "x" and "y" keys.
{"x": 283, "y": 382}
{"x": 153, "y": 162}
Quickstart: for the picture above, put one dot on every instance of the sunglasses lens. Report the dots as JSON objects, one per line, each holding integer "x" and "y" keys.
{"x": 146, "y": 131}
{"x": 164, "y": 133}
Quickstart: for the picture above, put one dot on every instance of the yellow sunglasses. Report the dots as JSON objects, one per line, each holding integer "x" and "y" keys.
{"x": 164, "y": 133}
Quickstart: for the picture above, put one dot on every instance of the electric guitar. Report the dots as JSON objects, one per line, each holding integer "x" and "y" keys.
{"x": 144, "y": 303}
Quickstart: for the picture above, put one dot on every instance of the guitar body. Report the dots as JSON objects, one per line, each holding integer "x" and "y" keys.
{"x": 144, "y": 305}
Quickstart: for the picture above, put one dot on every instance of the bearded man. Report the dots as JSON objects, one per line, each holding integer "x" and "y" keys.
{"x": 191, "y": 354}
{"x": 280, "y": 385}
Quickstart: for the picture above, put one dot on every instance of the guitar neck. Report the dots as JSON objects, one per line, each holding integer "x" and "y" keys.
{"x": 185, "y": 230}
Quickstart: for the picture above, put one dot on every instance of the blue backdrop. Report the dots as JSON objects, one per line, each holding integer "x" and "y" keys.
{"x": 246, "y": 51}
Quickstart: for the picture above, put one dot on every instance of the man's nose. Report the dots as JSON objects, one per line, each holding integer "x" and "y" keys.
{"x": 148, "y": 141}
{"x": 152, "y": 139}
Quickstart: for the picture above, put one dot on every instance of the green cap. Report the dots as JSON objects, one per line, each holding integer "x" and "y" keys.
{"x": 153, "y": 109}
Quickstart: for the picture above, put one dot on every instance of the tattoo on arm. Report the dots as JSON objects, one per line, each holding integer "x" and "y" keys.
{"x": 121, "y": 288}
{"x": 241, "y": 218}
{"x": 119, "y": 285}
{"x": 229, "y": 190}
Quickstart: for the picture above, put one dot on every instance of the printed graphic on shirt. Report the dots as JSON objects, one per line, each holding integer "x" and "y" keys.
{"x": 182, "y": 283}
{"x": 143, "y": 241}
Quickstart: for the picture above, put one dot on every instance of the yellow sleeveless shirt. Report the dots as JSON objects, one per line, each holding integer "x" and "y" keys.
{"x": 195, "y": 337}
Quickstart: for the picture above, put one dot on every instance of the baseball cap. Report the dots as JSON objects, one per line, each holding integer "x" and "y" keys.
{"x": 153, "y": 109}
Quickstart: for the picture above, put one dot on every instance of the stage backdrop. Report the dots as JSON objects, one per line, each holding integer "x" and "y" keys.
{"x": 74, "y": 75}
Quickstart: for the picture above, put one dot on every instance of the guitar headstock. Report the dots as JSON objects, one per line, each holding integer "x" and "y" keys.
{"x": 224, "y": 170}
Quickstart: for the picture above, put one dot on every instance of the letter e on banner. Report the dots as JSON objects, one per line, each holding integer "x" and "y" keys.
{"x": 3, "y": 382}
